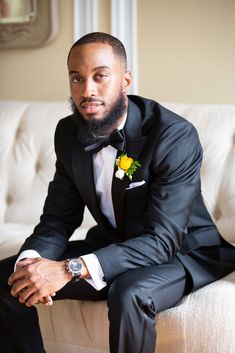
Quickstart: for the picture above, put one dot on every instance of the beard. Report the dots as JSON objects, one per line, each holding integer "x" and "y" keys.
{"x": 97, "y": 130}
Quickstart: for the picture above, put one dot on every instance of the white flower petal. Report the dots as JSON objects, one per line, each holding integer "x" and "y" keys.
{"x": 119, "y": 173}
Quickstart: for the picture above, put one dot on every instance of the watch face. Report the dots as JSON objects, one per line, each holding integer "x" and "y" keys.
{"x": 75, "y": 267}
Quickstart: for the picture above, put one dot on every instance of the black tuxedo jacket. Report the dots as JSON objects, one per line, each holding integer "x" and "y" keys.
{"x": 162, "y": 218}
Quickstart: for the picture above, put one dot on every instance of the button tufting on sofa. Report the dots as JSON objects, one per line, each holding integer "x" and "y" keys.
{"x": 9, "y": 199}
{"x": 38, "y": 166}
{"x": 217, "y": 214}
{"x": 18, "y": 132}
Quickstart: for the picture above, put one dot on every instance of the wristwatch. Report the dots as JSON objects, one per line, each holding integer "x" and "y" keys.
{"x": 74, "y": 266}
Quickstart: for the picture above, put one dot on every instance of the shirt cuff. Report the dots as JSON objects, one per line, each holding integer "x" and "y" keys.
{"x": 30, "y": 254}
{"x": 95, "y": 270}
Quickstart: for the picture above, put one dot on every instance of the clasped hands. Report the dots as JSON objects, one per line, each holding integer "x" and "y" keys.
{"x": 37, "y": 280}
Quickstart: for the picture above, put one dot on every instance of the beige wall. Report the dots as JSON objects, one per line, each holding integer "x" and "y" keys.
{"x": 187, "y": 50}
{"x": 104, "y": 8}
{"x": 186, "y": 53}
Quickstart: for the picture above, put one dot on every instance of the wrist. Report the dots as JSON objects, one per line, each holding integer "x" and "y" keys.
{"x": 84, "y": 272}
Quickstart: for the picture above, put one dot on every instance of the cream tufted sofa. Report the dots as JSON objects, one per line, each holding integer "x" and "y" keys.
{"x": 203, "y": 322}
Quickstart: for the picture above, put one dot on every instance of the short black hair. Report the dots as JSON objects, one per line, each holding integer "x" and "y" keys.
{"x": 100, "y": 37}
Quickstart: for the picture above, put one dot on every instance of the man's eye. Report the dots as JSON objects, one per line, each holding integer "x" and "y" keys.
{"x": 100, "y": 76}
{"x": 76, "y": 79}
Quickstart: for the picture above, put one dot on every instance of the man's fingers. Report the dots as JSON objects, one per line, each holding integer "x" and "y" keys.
{"x": 25, "y": 294}
{"x": 37, "y": 298}
{"x": 21, "y": 271}
{"x": 26, "y": 262}
{"x": 30, "y": 296}
{"x": 14, "y": 277}
{"x": 47, "y": 300}
{"x": 19, "y": 287}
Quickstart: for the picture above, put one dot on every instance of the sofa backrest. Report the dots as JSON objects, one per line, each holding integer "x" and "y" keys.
{"x": 27, "y": 158}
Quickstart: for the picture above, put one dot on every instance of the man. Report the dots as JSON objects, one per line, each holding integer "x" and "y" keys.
{"x": 136, "y": 166}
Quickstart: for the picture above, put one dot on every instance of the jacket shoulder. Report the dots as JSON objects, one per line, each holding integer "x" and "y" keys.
{"x": 68, "y": 126}
{"x": 163, "y": 126}
{"x": 154, "y": 110}
{"x": 65, "y": 133}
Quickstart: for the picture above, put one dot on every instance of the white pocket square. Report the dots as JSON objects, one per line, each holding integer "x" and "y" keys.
{"x": 136, "y": 184}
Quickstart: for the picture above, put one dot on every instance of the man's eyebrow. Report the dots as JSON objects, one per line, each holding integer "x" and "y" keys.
{"x": 71, "y": 72}
{"x": 101, "y": 68}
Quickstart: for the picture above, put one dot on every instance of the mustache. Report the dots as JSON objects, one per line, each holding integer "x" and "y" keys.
{"x": 91, "y": 100}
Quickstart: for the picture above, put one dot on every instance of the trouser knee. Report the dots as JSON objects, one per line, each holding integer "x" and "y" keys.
{"x": 125, "y": 297}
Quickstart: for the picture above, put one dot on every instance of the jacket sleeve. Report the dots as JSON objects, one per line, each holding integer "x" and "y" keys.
{"x": 175, "y": 182}
{"x": 62, "y": 213}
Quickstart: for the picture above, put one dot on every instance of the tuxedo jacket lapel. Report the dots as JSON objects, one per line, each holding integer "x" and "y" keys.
{"x": 134, "y": 144}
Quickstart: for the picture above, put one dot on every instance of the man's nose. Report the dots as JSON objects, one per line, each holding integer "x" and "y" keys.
{"x": 89, "y": 88}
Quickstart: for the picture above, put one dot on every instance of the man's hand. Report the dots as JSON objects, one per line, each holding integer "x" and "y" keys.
{"x": 47, "y": 300}
{"x": 37, "y": 280}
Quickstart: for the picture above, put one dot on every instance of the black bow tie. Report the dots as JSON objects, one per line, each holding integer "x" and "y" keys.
{"x": 116, "y": 140}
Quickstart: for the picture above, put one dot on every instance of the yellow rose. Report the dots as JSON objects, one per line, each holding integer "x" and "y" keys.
{"x": 125, "y": 162}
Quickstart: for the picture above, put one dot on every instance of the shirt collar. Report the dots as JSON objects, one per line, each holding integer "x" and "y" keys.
{"x": 121, "y": 126}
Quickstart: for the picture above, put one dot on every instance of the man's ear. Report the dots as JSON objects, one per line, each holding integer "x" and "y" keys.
{"x": 127, "y": 80}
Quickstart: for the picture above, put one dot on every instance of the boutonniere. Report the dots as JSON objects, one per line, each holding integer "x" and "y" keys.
{"x": 126, "y": 166}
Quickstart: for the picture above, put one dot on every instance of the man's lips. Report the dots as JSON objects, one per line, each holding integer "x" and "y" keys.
{"x": 91, "y": 107}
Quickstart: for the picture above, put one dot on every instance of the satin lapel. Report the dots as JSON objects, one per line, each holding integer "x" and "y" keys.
{"x": 134, "y": 144}
{"x": 83, "y": 170}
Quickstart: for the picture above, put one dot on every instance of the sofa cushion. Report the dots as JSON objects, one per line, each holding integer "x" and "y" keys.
{"x": 27, "y": 157}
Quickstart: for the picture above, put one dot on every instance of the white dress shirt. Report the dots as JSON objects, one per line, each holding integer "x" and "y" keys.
{"x": 103, "y": 163}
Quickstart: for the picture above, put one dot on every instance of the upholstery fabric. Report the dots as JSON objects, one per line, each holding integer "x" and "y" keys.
{"x": 203, "y": 322}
